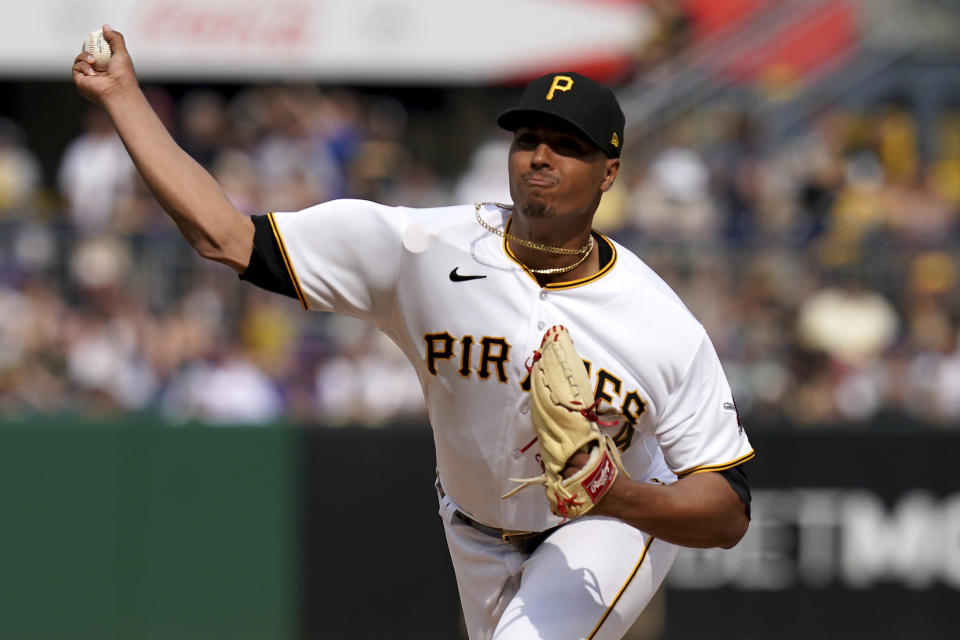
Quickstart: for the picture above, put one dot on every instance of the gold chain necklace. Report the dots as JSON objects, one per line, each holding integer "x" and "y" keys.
{"x": 582, "y": 251}
{"x": 555, "y": 270}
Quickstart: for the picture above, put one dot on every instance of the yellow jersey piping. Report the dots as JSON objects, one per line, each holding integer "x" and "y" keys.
{"x": 616, "y": 598}
{"x": 718, "y": 467}
{"x": 562, "y": 285}
{"x": 286, "y": 261}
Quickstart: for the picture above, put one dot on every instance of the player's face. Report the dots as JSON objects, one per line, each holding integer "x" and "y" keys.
{"x": 556, "y": 172}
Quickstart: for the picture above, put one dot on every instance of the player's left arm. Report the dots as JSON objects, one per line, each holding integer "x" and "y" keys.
{"x": 702, "y": 440}
{"x": 700, "y": 510}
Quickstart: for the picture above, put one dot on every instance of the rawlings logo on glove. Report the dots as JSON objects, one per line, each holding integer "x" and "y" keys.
{"x": 565, "y": 422}
{"x": 602, "y": 478}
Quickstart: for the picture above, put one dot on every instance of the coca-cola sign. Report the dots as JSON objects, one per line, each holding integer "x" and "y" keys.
{"x": 253, "y": 26}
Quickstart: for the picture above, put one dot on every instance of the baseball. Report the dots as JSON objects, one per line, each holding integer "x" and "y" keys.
{"x": 96, "y": 45}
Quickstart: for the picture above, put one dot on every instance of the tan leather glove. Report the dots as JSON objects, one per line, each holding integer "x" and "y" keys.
{"x": 564, "y": 420}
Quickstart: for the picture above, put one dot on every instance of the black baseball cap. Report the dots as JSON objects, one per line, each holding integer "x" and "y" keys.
{"x": 586, "y": 105}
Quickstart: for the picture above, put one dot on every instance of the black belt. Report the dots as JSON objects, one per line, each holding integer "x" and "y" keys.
{"x": 523, "y": 541}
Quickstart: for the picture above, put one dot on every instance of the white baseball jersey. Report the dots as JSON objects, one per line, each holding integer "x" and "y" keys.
{"x": 469, "y": 316}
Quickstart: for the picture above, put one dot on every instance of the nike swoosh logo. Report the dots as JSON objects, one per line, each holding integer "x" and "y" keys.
{"x": 456, "y": 277}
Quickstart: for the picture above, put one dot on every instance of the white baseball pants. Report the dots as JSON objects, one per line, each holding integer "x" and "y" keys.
{"x": 590, "y": 579}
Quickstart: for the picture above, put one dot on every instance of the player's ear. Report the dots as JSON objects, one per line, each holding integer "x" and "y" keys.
{"x": 612, "y": 170}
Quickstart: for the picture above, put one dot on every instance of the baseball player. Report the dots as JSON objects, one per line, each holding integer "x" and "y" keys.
{"x": 549, "y": 355}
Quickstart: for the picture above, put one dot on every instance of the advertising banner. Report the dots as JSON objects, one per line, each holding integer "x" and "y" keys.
{"x": 361, "y": 41}
{"x": 855, "y": 534}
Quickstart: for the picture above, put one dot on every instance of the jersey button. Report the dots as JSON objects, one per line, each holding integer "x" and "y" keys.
{"x": 541, "y": 325}
{"x": 525, "y": 408}
{"x": 543, "y": 295}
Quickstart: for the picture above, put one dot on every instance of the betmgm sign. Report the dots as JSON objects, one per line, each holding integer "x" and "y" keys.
{"x": 834, "y": 537}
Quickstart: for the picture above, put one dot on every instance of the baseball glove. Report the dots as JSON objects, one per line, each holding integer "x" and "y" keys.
{"x": 565, "y": 421}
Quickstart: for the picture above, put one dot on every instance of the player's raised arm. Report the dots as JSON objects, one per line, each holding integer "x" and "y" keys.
{"x": 185, "y": 190}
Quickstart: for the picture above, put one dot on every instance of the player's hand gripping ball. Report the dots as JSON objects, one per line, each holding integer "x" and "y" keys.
{"x": 565, "y": 422}
{"x": 97, "y": 46}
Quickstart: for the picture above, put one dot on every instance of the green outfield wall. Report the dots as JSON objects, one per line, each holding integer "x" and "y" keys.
{"x": 140, "y": 531}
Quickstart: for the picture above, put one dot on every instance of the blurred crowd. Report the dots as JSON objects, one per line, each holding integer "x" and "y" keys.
{"x": 825, "y": 269}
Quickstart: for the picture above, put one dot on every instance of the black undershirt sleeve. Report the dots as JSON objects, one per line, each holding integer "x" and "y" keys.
{"x": 267, "y": 269}
{"x": 737, "y": 478}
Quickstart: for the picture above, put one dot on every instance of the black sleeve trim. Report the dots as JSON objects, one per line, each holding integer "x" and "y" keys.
{"x": 268, "y": 268}
{"x": 737, "y": 478}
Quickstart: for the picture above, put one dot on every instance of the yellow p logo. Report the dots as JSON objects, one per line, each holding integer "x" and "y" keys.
{"x": 560, "y": 83}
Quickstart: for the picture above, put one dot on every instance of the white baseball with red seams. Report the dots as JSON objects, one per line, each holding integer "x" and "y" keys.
{"x": 468, "y": 316}
{"x": 97, "y": 46}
